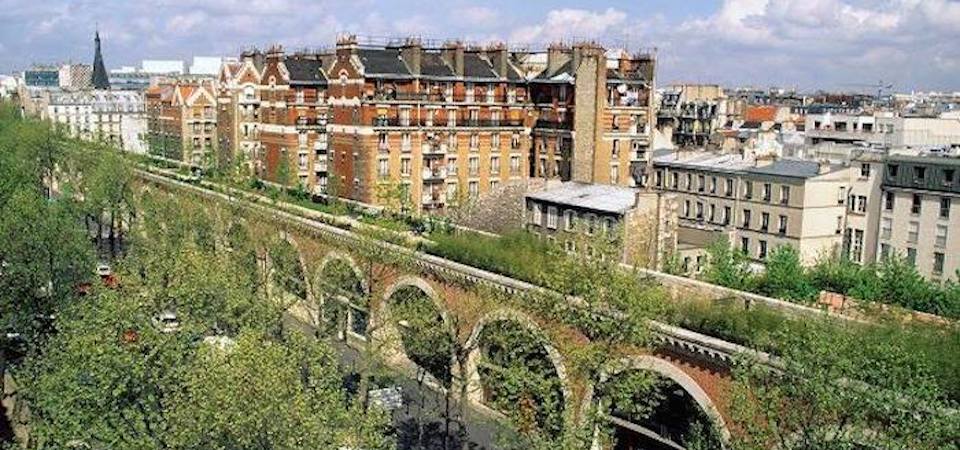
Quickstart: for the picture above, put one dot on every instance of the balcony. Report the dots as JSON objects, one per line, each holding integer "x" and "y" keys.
{"x": 394, "y": 122}
{"x": 432, "y": 175}
{"x": 311, "y": 123}
{"x": 433, "y": 200}
{"x": 320, "y": 166}
{"x": 551, "y": 125}
{"x": 433, "y": 150}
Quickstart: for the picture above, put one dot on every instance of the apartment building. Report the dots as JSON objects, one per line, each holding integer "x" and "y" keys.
{"x": 293, "y": 116}
{"x": 594, "y": 116}
{"x": 920, "y": 213}
{"x": 758, "y": 204}
{"x": 640, "y": 225}
{"x": 883, "y": 129}
{"x": 442, "y": 124}
{"x": 238, "y": 109}
{"x": 114, "y": 117}
{"x": 182, "y": 120}
{"x": 692, "y": 113}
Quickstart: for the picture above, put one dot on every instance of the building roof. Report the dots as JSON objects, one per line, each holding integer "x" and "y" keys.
{"x": 476, "y": 66}
{"x": 383, "y": 62}
{"x": 597, "y": 197}
{"x": 433, "y": 65}
{"x": 760, "y": 113}
{"x": 562, "y": 73}
{"x": 305, "y": 70}
{"x": 735, "y": 163}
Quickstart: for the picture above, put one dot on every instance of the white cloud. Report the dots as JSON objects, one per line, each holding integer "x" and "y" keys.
{"x": 187, "y": 23}
{"x": 478, "y": 16}
{"x": 570, "y": 24}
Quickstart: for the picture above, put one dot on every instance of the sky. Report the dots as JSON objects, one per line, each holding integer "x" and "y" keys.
{"x": 802, "y": 44}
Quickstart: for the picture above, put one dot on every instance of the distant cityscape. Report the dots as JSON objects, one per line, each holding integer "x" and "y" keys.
{"x": 572, "y": 133}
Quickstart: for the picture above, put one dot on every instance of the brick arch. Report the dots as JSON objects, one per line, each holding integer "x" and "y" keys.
{"x": 388, "y": 336}
{"x": 345, "y": 257}
{"x": 472, "y": 374}
{"x": 288, "y": 238}
{"x": 670, "y": 371}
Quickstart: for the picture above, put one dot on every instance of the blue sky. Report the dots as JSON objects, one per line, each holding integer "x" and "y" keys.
{"x": 794, "y": 43}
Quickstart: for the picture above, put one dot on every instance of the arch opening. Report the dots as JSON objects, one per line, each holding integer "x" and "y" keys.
{"x": 646, "y": 409}
{"x": 423, "y": 332}
{"x": 345, "y": 306}
{"x": 519, "y": 379}
{"x": 287, "y": 270}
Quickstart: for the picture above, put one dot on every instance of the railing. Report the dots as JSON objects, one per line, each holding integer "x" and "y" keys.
{"x": 551, "y": 125}
{"x": 433, "y": 97}
{"x": 438, "y": 174}
{"x": 311, "y": 122}
{"x": 389, "y": 122}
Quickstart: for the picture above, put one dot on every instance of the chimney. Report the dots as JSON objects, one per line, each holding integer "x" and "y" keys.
{"x": 764, "y": 160}
{"x": 624, "y": 63}
{"x": 556, "y": 57}
{"x": 452, "y": 54}
{"x": 499, "y": 58}
{"x": 346, "y": 45}
{"x": 411, "y": 52}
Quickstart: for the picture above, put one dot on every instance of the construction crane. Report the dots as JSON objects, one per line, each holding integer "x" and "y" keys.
{"x": 880, "y": 86}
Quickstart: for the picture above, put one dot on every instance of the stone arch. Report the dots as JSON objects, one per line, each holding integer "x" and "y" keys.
{"x": 389, "y": 333}
{"x": 671, "y": 372}
{"x": 471, "y": 371}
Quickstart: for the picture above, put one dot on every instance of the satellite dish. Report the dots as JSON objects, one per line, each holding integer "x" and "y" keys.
{"x": 622, "y": 88}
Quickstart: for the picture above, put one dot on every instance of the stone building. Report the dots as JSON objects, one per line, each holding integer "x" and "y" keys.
{"x": 920, "y": 214}
{"x": 115, "y": 117}
{"x": 640, "y": 225}
{"x": 758, "y": 204}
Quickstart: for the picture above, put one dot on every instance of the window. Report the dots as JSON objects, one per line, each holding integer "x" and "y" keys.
{"x": 726, "y": 215}
{"x": 893, "y": 170}
{"x": 782, "y": 227}
{"x": 658, "y": 178}
{"x": 699, "y": 210}
{"x": 686, "y": 208}
{"x": 494, "y": 165}
{"x": 474, "y": 166}
{"x": 713, "y": 185}
{"x": 473, "y": 189}
{"x": 886, "y": 228}
{"x": 948, "y": 175}
{"x": 915, "y": 206}
{"x": 919, "y": 174}
{"x": 857, "y": 249}
{"x": 913, "y": 232}
{"x": 514, "y": 165}
{"x": 495, "y": 141}
{"x": 748, "y": 190}
{"x": 552, "y": 218}
{"x": 762, "y": 250}
{"x": 616, "y": 148}
{"x": 839, "y": 224}
{"x": 614, "y": 174}
{"x": 888, "y": 201}
{"x": 912, "y": 256}
{"x": 713, "y": 213}
{"x": 766, "y": 192}
{"x": 676, "y": 180}
{"x": 728, "y": 191}
{"x": 537, "y": 215}
{"x": 944, "y": 207}
{"x": 937, "y": 263}
{"x": 746, "y": 218}
{"x": 452, "y": 165}
{"x": 745, "y": 245}
{"x": 865, "y": 170}
{"x": 784, "y": 195}
{"x": 701, "y": 183}
{"x": 568, "y": 220}
{"x": 474, "y": 141}
{"x": 405, "y": 167}
{"x": 689, "y": 182}
{"x": 884, "y": 251}
{"x": 941, "y": 241}
{"x": 764, "y": 221}
{"x": 842, "y": 196}
{"x": 405, "y": 142}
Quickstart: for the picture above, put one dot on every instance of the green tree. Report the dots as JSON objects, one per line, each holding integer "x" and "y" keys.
{"x": 785, "y": 277}
{"x": 728, "y": 267}
{"x": 842, "y": 390}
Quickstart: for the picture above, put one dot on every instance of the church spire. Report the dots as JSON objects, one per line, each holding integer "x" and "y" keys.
{"x": 100, "y": 80}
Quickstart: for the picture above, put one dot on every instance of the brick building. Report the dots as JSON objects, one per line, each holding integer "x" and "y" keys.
{"x": 182, "y": 120}
{"x": 238, "y": 104}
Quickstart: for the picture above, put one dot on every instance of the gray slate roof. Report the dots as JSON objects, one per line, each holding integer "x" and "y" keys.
{"x": 597, "y": 197}
{"x": 383, "y": 62}
{"x": 475, "y": 66}
{"x": 715, "y": 162}
{"x": 305, "y": 70}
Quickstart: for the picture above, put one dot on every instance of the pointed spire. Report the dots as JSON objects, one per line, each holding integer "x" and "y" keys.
{"x": 100, "y": 80}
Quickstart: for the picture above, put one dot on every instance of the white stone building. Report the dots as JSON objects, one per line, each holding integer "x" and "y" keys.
{"x": 116, "y": 117}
